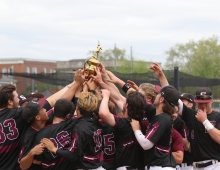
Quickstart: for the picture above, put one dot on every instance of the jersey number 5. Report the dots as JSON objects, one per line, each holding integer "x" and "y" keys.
{"x": 11, "y": 124}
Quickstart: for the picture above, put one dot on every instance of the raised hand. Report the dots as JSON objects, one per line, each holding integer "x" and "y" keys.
{"x": 105, "y": 93}
{"x": 97, "y": 78}
{"x": 79, "y": 76}
{"x": 113, "y": 78}
{"x": 91, "y": 84}
{"x": 132, "y": 84}
{"x": 157, "y": 69}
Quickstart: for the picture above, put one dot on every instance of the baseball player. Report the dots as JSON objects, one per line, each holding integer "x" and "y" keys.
{"x": 86, "y": 146}
{"x": 181, "y": 127}
{"x": 36, "y": 115}
{"x": 60, "y": 134}
{"x": 204, "y": 126}
{"x": 128, "y": 153}
{"x": 12, "y": 126}
{"x": 156, "y": 142}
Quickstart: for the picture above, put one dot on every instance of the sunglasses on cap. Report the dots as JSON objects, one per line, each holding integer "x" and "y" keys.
{"x": 203, "y": 97}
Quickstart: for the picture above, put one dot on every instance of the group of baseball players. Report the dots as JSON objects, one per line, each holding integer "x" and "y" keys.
{"x": 89, "y": 124}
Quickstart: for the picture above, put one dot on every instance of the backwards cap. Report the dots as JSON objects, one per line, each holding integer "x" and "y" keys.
{"x": 170, "y": 94}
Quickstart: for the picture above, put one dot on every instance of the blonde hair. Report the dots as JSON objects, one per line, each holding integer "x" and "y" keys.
{"x": 87, "y": 101}
{"x": 149, "y": 90}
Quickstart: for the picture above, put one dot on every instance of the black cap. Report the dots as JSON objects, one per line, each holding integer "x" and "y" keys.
{"x": 170, "y": 94}
{"x": 188, "y": 97}
{"x": 32, "y": 108}
{"x": 29, "y": 97}
{"x": 203, "y": 95}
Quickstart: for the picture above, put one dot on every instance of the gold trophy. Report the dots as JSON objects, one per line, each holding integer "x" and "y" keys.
{"x": 92, "y": 63}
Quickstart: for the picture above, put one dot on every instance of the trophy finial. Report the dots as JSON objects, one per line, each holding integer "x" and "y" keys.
{"x": 97, "y": 51}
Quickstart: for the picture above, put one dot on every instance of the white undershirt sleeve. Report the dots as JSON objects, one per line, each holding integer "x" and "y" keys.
{"x": 144, "y": 142}
{"x": 180, "y": 107}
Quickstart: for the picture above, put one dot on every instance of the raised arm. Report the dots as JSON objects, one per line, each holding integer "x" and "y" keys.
{"x": 117, "y": 99}
{"x": 105, "y": 77}
{"x": 78, "y": 81}
{"x": 124, "y": 86}
{"x": 160, "y": 74}
{"x": 104, "y": 112}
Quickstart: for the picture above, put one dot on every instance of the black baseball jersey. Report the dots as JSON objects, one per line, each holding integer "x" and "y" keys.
{"x": 12, "y": 126}
{"x": 128, "y": 151}
{"x": 88, "y": 143}
{"x": 61, "y": 136}
{"x": 108, "y": 145}
{"x": 27, "y": 143}
{"x": 159, "y": 133}
{"x": 203, "y": 147}
{"x": 181, "y": 127}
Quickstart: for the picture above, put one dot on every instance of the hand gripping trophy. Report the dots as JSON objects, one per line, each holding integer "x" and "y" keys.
{"x": 92, "y": 63}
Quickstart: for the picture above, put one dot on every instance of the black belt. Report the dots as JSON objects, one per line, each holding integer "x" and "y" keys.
{"x": 198, "y": 165}
{"x": 130, "y": 168}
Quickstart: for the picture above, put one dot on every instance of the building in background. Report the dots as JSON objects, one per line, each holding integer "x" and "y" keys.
{"x": 24, "y": 65}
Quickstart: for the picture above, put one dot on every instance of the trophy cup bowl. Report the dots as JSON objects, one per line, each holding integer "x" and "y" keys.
{"x": 92, "y": 63}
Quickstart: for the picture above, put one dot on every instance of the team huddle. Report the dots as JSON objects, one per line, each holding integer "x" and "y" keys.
{"x": 89, "y": 124}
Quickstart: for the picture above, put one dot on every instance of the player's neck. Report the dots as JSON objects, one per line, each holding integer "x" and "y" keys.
{"x": 58, "y": 120}
{"x": 159, "y": 109}
{"x": 38, "y": 125}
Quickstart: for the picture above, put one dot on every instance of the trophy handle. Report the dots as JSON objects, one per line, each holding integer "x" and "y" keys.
{"x": 85, "y": 64}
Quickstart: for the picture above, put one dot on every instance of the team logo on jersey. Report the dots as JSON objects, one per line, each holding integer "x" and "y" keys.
{"x": 202, "y": 93}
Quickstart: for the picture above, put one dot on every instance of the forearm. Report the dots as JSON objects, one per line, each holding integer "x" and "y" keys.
{"x": 106, "y": 77}
{"x": 53, "y": 98}
{"x": 215, "y": 135}
{"x": 186, "y": 145}
{"x": 114, "y": 95}
{"x": 26, "y": 161}
{"x": 144, "y": 142}
{"x": 178, "y": 156}
{"x": 163, "y": 80}
{"x": 69, "y": 94}
{"x": 104, "y": 112}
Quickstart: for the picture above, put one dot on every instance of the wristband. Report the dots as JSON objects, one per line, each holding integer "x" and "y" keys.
{"x": 208, "y": 125}
{"x": 125, "y": 87}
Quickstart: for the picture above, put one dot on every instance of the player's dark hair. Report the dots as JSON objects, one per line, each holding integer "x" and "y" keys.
{"x": 167, "y": 108}
{"x": 136, "y": 104}
{"x": 62, "y": 107}
{"x": 6, "y": 93}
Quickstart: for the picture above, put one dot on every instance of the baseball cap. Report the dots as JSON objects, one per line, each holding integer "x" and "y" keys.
{"x": 158, "y": 88}
{"x": 32, "y": 108}
{"x": 170, "y": 94}
{"x": 29, "y": 97}
{"x": 203, "y": 95}
{"x": 87, "y": 101}
{"x": 188, "y": 97}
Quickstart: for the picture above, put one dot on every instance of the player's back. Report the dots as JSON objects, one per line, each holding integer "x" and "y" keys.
{"x": 108, "y": 145}
{"x": 60, "y": 134}
{"x": 89, "y": 143}
{"x": 12, "y": 126}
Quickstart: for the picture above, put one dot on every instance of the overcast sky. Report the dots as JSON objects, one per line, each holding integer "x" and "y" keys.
{"x": 68, "y": 29}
